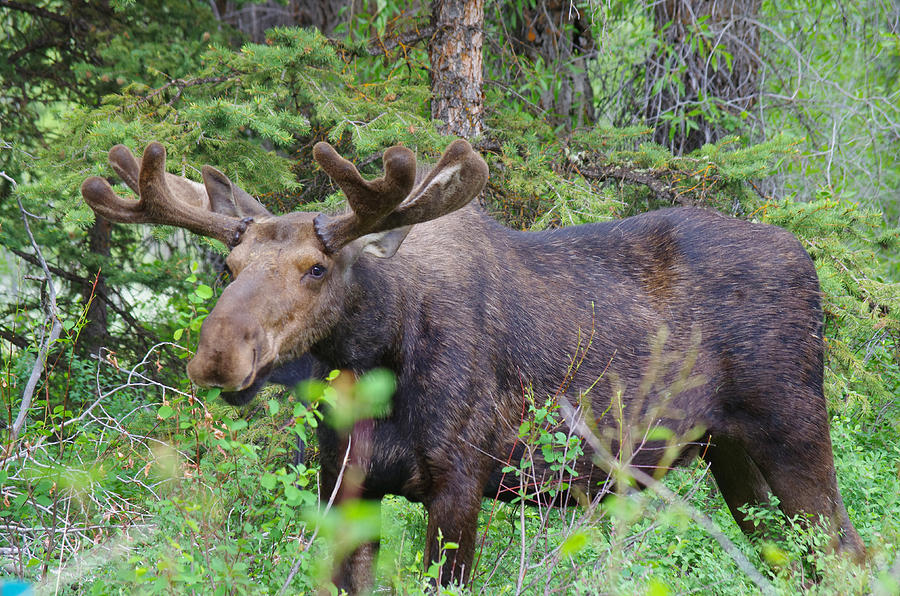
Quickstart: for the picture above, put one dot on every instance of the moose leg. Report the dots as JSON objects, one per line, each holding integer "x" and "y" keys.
{"x": 356, "y": 573}
{"x": 353, "y": 572}
{"x": 738, "y": 478}
{"x": 802, "y": 476}
{"x": 453, "y": 517}
{"x": 797, "y": 463}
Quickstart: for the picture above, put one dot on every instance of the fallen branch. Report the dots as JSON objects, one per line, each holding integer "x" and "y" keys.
{"x": 606, "y": 460}
{"x": 623, "y": 174}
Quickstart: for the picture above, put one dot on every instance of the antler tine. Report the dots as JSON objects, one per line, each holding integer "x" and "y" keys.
{"x": 126, "y": 166}
{"x": 378, "y": 205}
{"x": 370, "y": 200}
{"x": 158, "y": 203}
{"x": 459, "y": 176}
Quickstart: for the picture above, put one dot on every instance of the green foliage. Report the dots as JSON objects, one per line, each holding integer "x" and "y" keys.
{"x": 161, "y": 489}
{"x": 550, "y": 452}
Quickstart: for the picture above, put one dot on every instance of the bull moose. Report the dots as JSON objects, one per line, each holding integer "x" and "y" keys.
{"x": 683, "y": 318}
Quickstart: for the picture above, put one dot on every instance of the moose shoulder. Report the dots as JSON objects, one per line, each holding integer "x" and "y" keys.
{"x": 682, "y": 318}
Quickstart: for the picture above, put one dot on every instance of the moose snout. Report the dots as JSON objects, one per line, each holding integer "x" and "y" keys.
{"x": 231, "y": 352}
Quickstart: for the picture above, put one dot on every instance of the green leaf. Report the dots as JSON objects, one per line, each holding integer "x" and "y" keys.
{"x": 268, "y": 481}
{"x": 204, "y": 291}
{"x": 165, "y": 412}
{"x": 657, "y": 588}
{"x": 573, "y": 544}
{"x": 274, "y": 406}
{"x": 774, "y": 555}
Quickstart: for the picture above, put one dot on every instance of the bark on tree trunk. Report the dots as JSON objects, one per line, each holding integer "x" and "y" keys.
{"x": 684, "y": 84}
{"x": 95, "y": 333}
{"x": 456, "y": 66}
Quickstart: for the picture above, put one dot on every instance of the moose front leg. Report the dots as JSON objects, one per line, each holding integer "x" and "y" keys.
{"x": 354, "y": 569}
{"x": 356, "y": 572}
{"x": 453, "y": 517}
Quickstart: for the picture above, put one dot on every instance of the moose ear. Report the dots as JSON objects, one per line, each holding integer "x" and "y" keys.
{"x": 379, "y": 244}
{"x": 219, "y": 190}
{"x": 384, "y": 244}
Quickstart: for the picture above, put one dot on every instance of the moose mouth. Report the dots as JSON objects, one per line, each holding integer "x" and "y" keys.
{"x": 288, "y": 374}
{"x": 244, "y": 396}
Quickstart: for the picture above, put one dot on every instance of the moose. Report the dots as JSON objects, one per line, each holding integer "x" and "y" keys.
{"x": 681, "y": 318}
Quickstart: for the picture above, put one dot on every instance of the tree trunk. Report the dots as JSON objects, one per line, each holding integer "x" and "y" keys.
{"x": 95, "y": 333}
{"x": 692, "y": 95}
{"x": 456, "y": 66}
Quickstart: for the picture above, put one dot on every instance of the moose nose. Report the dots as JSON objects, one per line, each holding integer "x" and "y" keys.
{"x": 230, "y": 353}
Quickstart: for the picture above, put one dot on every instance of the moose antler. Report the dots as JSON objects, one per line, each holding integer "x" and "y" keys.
{"x": 390, "y": 202}
{"x": 214, "y": 208}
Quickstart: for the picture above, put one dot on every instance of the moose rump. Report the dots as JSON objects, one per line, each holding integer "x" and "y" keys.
{"x": 681, "y": 319}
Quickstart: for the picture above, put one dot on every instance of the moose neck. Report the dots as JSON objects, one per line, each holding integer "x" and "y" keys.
{"x": 367, "y": 333}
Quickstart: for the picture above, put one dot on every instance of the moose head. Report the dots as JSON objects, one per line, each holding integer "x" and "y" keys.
{"x": 290, "y": 271}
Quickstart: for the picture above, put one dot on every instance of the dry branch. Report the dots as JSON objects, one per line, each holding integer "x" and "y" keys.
{"x": 52, "y": 315}
{"x": 610, "y": 172}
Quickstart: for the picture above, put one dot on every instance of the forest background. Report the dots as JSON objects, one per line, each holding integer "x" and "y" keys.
{"x": 117, "y": 475}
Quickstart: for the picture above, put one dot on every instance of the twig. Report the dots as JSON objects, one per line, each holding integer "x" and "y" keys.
{"x": 383, "y": 46}
{"x": 55, "y": 330}
{"x": 105, "y": 296}
{"x": 612, "y": 463}
{"x": 659, "y": 188}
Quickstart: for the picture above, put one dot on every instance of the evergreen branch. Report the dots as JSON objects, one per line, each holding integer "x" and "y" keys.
{"x": 37, "y": 11}
{"x": 39, "y": 44}
{"x": 659, "y": 187}
{"x": 181, "y": 85}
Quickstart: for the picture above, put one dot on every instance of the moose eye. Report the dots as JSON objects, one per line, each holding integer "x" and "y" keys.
{"x": 317, "y": 270}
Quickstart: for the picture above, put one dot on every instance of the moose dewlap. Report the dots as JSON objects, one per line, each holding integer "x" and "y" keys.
{"x": 682, "y": 319}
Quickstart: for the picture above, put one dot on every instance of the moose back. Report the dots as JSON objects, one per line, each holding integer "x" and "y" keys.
{"x": 683, "y": 319}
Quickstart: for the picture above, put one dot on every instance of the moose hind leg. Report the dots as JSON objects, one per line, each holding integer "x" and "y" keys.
{"x": 737, "y": 477}
{"x": 802, "y": 476}
{"x": 795, "y": 458}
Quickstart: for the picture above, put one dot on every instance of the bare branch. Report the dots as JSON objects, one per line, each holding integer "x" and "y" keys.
{"x": 659, "y": 187}
{"x": 384, "y": 45}
{"x": 55, "y": 330}
{"x": 103, "y": 295}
